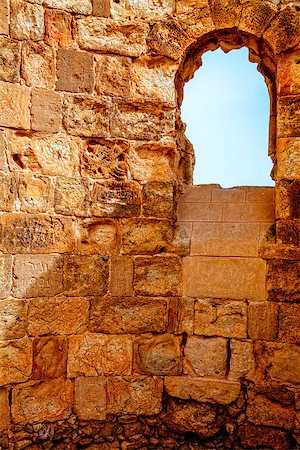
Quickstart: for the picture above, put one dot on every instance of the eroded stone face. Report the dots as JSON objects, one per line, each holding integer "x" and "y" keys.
{"x": 90, "y": 398}
{"x": 16, "y": 360}
{"x": 14, "y": 106}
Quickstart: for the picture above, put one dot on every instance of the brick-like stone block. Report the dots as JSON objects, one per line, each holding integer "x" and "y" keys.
{"x": 283, "y": 282}
{"x": 221, "y": 318}
{"x": 256, "y": 17}
{"x": 10, "y": 59}
{"x": 59, "y": 315}
{"x": 49, "y": 357}
{"x": 288, "y": 165}
{"x": 8, "y": 190}
{"x": 283, "y": 32}
{"x": 202, "y": 389}
{"x": 35, "y": 194}
{"x": 158, "y": 355}
{"x": 71, "y": 196}
{"x": 159, "y": 275}
{"x": 249, "y": 212}
{"x": 241, "y": 360}
{"x": 280, "y": 362}
{"x": 90, "y": 398}
{"x": 16, "y": 361}
{"x": 5, "y": 275}
{"x": 115, "y": 199}
{"x": 224, "y": 14}
{"x": 37, "y": 276}
{"x": 46, "y": 111}
{"x": 289, "y": 73}
{"x": 4, "y": 410}
{"x": 42, "y": 401}
{"x": 74, "y": 71}
{"x": 99, "y": 236}
{"x": 158, "y": 199}
{"x": 288, "y": 116}
{"x": 167, "y": 38}
{"x": 85, "y": 275}
{"x": 198, "y": 212}
{"x": 121, "y": 276}
{"x": 14, "y": 106}
{"x": 128, "y": 315}
{"x": 38, "y": 65}
{"x": 26, "y": 21}
{"x": 181, "y": 315}
{"x": 253, "y": 436}
{"x": 101, "y": 8}
{"x": 97, "y": 354}
{"x": 3, "y": 160}
{"x": 58, "y": 28}
{"x": 262, "y": 321}
{"x": 288, "y": 200}
{"x": 113, "y": 76}
{"x": 74, "y": 6}
{"x": 4, "y": 19}
{"x": 151, "y": 10}
{"x": 12, "y": 319}
{"x": 134, "y": 395}
{"x": 289, "y": 323}
{"x": 205, "y": 357}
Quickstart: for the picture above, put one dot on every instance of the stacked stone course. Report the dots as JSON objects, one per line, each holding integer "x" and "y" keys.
{"x": 120, "y": 324}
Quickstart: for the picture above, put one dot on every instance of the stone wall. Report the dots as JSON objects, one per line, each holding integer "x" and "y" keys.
{"x": 105, "y": 342}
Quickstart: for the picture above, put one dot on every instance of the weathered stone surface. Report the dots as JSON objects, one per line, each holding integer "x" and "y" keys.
{"x": 85, "y": 275}
{"x": 26, "y": 21}
{"x": 46, "y": 111}
{"x": 256, "y": 17}
{"x": 74, "y": 71}
{"x": 288, "y": 116}
{"x": 115, "y": 199}
{"x": 101, "y": 8}
{"x": 262, "y": 321}
{"x": 283, "y": 282}
{"x": 49, "y": 357}
{"x": 220, "y": 318}
{"x": 167, "y": 38}
{"x": 12, "y": 319}
{"x": 97, "y": 354}
{"x": 35, "y": 194}
{"x": 282, "y": 363}
{"x": 158, "y": 355}
{"x": 181, "y": 315}
{"x": 4, "y": 26}
{"x": 4, "y": 410}
{"x": 40, "y": 401}
{"x": 10, "y": 59}
{"x": 37, "y": 276}
{"x": 14, "y": 106}
{"x": 134, "y": 395}
{"x": 124, "y": 38}
{"x": 128, "y": 315}
{"x": 86, "y": 116}
{"x": 97, "y": 236}
{"x": 241, "y": 360}
{"x": 283, "y": 32}
{"x": 252, "y": 436}
{"x": 38, "y": 65}
{"x": 158, "y": 275}
{"x": 288, "y": 166}
{"x": 59, "y": 315}
{"x": 289, "y": 73}
{"x": 5, "y": 275}
{"x": 202, "y": 389}
{"x": 289, "y": 323}
{"x": 8, "y": 189}
{"x": 90, "y": 398}
{"x": 205, "y": 357}
{"x": 15, "y": 361}
{"x": 121, "y": 276}
{"x": 158, "y": 199}
{"x": 113, "y": 75}
{"x": 58, "y": 28}
{"x": 151, "y": 10}
{"x": 250, "y": 211}
{"x": 71, "y": 196}
{"x": 287, "y": 199}
{"x": 74, "y": 6}
{"x": 3, "y": 159}
{"x": 225, "y": 14}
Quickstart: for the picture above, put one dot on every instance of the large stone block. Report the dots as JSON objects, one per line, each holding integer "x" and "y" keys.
{"x": 289, "y": 323}
{"x": 101, "y": 8}
{"x": 42, "y": 401}
{"x": 8, "y": 190}
{"x": 90, "y": 398}
{"x": 38, "y": 65}
{"x": 283, "y": 281}
{"x": 151, "y": 10}
{"x": 10, "y": 60}
{"x": 262, "y": 321}
{"x": 5, "y": 275}
{"x": 74, "y": 6}
{"x": 288, "y": 116}
{"x": 249, "y": 212}
{"x": 58, "y": 28}
{"x": 284, "y": 31}
{"x": 4, "y": 410}
{"x": 205, "y": 357}
{"x": 12, "y": 319}
{"x": 116, "y": 199}
{"x": 241, "y": 360}
{"x": 26, "y": 21}
{"x": 4, "y": 19}
{"x": 134, "y": 395}
{"x": 75, "y": 71}
{"x": 121, "y": 276}
{"x": 35, "y": 194}
{"x": 288, "y": 165}
{"x": 158, "y": 199}
{"x": 96, "y": 354}
{"x": 287, "y": 199}
{"x": 85, "y": 275}
{"x": 282, "y": 363}
{"x": 289, "y": 73}
{"x": 46, "y": 111}
{"x": 14, "y": 106}
{"x": 97, "y": 236}
{"x": 200, "y": 212}
{"x": 225, "y": 14}
{"x": 15, "y": 361}
{"x": 256, "y": 17}
{"x": 49, "y": 357}
{"x": 167, "y": 38}
{"x": 71, "y": 196}
{"x": 113, "y": 75}
{"x": 128, "y": 315}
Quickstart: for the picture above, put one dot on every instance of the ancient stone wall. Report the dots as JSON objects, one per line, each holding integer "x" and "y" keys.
{"x": 105, "y": 342}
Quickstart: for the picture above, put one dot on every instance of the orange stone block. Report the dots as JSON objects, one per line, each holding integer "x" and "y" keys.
{"x": 205, "y": 357}
{"x": 4, "y": 410}
{"x": 90, "y": 398}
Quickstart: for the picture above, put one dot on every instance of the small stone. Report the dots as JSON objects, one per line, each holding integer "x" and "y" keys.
{"x": 14, "y": 106}
{"x": 46, "y": 110}
{"x": 74, "y": 71}
{"x": 12, "y": 319}
{"x": 85, "y": 275}
{"x": 26, "y": 21}
{"x": 113, "y": 75}
{"x": 115, "y": 199}
{"x": 4, "y": 410}
{"x": 16, "y": 361}
{"x": 5, "y": 275}
{"x": 71, "y": 196}
{"x": 90, "y": 398}
{"x": 38, "y": 65}
{"x": 205, "y": 357}
{"x": 49, "y": 357}
{"x": 59, "y": 29}
{"x": 10, "y": 59}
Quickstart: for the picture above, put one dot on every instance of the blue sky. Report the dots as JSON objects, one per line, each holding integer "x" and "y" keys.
{"x": 226, "y": 109}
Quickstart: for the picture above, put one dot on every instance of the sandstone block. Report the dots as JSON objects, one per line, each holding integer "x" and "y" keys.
{"x": 181, "y": 315}
{"x": 128, "y": 315}
{"x": 283, "y": 282}
{"x": 86, "y": 116}
{"x": 46, "y": 111}
{"x": 59, "y": 315}
{"x": 151, "y": 10}
{"x": 8, "y": 190}
{"x": 85, "y": 275}
{"x": 35, "y": 194}
{"x": 97, "y": 354}
{"x": 135, "y": 395}
{"x": 288, "y": 166}
{"x": 287, "y": 233}
{"x": 283, "y": 363}
{"x": 288, "y": 117}
{"x": 260, "y": 194}
{"x": 115, "y": 199}
{"x": 262, "y": 410}
{"x": 49, "y": 357}
{"x": 287, "y": 205}
{"x": 90, "y": 398}
{"x": 202, "y": 389}
{"x": 15, "y": 361}
{"x": 74, "y": 71}
{"x": 101, "y": 8}
{"x": 225, "y": 14}
{"x": 40, "y": 401}
{"x": 241, "y": 360}
{"x": 252, "y": 436}
{"x": 125, "y": 38}
{"x": 4, "y": 27}
{"x": 256, "y": 17}
{"x": 74, "y": 6}
{"x": 58, "y": 28}
{"x": 289, "y": 329}
{"x": 249, "y": 212}
{"x": 26, "y": 21}
{"x": 3, "y": 161}
{"x": 220, "y": 318}
{"x": 37, "y": 276}
{"x": 113, "y": 76}
{"x": 4, "y": 410}
{"x": 12, "y": 319}
{"x": 205, "y": 357}
{"x": 158, "y": 199}
{"x": 284, "y": 30}
{"x": 203, "y": 194}
{"x": 71, "y": 196}
{"x": 167, "y": 38}
{"x": 10, "y": 59}
{"x": 121, "y": 276}
{"x": 198, "y": 212}
{"x": 289, "y": 73}
{"x": 97, "y": 236}
{"x": 262, "y": 321}
{"x": 38, "y": 65}
{"x": 5, "y": 275}
{"x": 14, "y": 106}
{"x": 158, "y": 276}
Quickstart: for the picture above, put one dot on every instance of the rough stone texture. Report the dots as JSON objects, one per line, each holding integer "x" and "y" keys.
{"x": 277, "y": 287}
{"x": 75, "y": 6}
{"x": 85, "y": 275}
{"x": 8, "y": 192}
{"x": 4, "y": 410}
{"x": 98, "y": 236}
{"x": 46, "y": 110}
{"x": 121, "y": 276}
{"x": 74, "y": 71}
{"x": 90, "y": 398}
{"x": 262, "y": 321}
{"x": 12, "y": 319}
{"x": 241, "y": 360}
{"x": 38, "y": 65}
{"x": 14, "y": 106}
{"x": 49, "y": 357}
{"x": 253, "y": 436}
{"x": 58, "y": 28}
{"x": 16, "y": 361}
{"x": 113, "y": 75}
{"x": 205, "y": 357}
{"x": 289, "y": 330}
{"x": 10, "y": 57}
{"x": 71, "y": 196}
{"x": 288, "y": 164}
{"x": 150, "y": 10}
{"x": 158, "y": 199}
{"x": 4, "y": 27}
{"x": 115, "y": 199}
{"x": 35, "y": 194}
{"x": 5, "y": 275}
{"x": 26, "y": 21}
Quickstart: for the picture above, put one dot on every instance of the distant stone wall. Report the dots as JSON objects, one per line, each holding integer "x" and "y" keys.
{"x": 107, "y": 331}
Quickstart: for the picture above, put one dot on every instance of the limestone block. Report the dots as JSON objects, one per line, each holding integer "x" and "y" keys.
{"x": 8, "y": 191}
{"x": 241, "y": 360}
{"x": 158, "y": 355}
{"x": 5, "y": 275}
{"x": 288, "y": 75}
{"x": 261, "y": 410}
{"x": 14, "y": 106}
{"x": 74, "y": 71}
{"x": 260, "y": 194}
{"x": 262, "y": 321}
{"x": 71, "y": 196}
{"x": 90, "y": 398}
{"x": 98, "y": 236}
{"x": 200, "y": 212}
{"x": 167, "y": 38}
{"x": 74, "y": 6}
{"x": 134, "y": 395}
{"x": 124, "y": 38}
{"x": 289, "y": 329}
{"x": 85, "y": 275}
{"x": 252, "y": 436}
{"x": 49, "y": 357}
{"x": 98, "y": 354}
{"x": 202, "y": 389}
{"x": 10, "y": 59}
{"x": 157, "y": 276}
{"x": 4, "y": 410}
{"x": 58, "y": 28}
{"x": 288, "y": 116}
{"x": 26, "y": 21}
{"x": 158, "y": 199}
{"x": 287, "y": 193}
{"x": 287, "y": 233}
{"x": 288, "y": 165}
{"x": 116, "y": 199}
{"x": 151, "y": 10}
{"x": 59, "y": 315}
{"x": 113, "y": 75}
{"x": 203, "y": 194}
{"x": 4, "y": 11}
{"x": 284, "y": 32}
{"x": 42, "y": 401}
{"x": 128, "y": 315}
{"x": 142, "y": 121}
{"x": 121, "y": 276}
{"x": 37, "y": 276}
{"x": 283, "y": 282}
{"x": 15, "y": 361}
{"x": 38, "y": 65}
{"x": 86, "y": 116}
{"x": 205, "y": 357}
{"x": 35, "y": 194}
{"x": 283, "y": 363}
{"x": 46, "y": 111}
{"x": 225, "y": 14}
{"x": 249, "y": 212}
{"x": 256, "y": 17}
{"x": 101, "y": 8}
{"x": 220, "y": 318}
{"x": 194, "y": 17}
{"x": 12, "y": 319}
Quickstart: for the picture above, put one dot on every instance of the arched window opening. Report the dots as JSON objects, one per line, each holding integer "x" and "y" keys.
{"x": 226, "y": 108}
